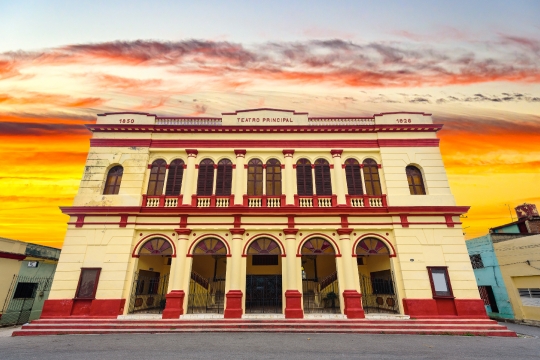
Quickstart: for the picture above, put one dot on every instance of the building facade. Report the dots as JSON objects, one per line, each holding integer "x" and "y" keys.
{"x": 26, "y": 276}
{"x": 264, "y": 211}
{"x": 507, "y": 267}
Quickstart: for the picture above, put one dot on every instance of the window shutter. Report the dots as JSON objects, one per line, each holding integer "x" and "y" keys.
{"x": 308, "y": 180}
{"x": 174, "y": 179}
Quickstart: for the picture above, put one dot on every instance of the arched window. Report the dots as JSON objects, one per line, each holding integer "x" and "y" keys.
{"x": 264, "y": 246}
{"x": 352, "y": 174}
{"x": 157, "y": 177}
{"x": 174, "y": 179}
{"x": 371, "y": 246}
{"x": 416, "y": 182}
{"x": 255, "y": 177}
{"x": 323, "y": 183}
{"x": 210, "y": 246}
{"x": 273, "y": 177}
{"x": 371, "y": 177}
{"x": 205, "y": 180}
{"x": 156, "y": 246}
{"x": 224, "y": 177}
{"x": 317, "y": 246}
{"x": 304, "y": 178}
{"x": 114, "y": 178}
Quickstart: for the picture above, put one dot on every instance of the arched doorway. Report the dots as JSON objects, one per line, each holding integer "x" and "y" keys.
{"x": 207, "y": 283}
{"x": 319, "y": 277}
{"x": 151, "y": 277}
{"x": 376, "y": 277}
{"x": 263, "y": 277}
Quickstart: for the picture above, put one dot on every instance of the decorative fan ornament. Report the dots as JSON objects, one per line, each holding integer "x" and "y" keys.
{"x": 371, "y": 246}
{"x": 317, "y": 246}
{"x": 156, "y": 246}
{"x": 264, "y": 246}
{"x": 210, "y": 246}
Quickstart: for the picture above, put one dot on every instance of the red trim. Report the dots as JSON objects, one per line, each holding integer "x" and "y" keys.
{"x": 378, "y": 236}
{"x": 255, "y": 237}
{"x": 261, "y": 109}
{"x": 183, "y": 231}
{"x": 404, "y": 221}
{"x": 293, "y": 305}
{"x": 162, "y": 144}
{"x": 336, "y": 152}
{"x": 200, "y": 238}
{"x": 290, "y": 231}
{"x": 237, "y": 231}
{"x": 83, "y": 308}
{"x": 123, "y": 220}
{"x": 344, "y": 231}
{"x": 192, "y": 152}
{"x": 306, "y": 238}
{"x": 13, "y": 256}
{"x": 80, "y": 221}
{"x": 136, "y": 249}
{"x": 240, "y": 152}
{"x": 449, "y": 220}
{"x": 288, "y": 152}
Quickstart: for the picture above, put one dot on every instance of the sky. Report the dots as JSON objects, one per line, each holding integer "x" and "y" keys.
{"x": 473, "y": 64}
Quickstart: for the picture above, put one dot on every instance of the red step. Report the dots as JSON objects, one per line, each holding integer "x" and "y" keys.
{"x": 479, "y": 327}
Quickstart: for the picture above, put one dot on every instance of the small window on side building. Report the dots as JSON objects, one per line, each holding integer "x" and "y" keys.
{"x": 476, "y": 261}
{"x": 88, "y": 282}
{"x": 440, "y": 282}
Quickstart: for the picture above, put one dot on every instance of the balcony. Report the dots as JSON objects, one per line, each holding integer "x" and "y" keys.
{"x": 264, "y": 201}
{"x": 366, "y": 201}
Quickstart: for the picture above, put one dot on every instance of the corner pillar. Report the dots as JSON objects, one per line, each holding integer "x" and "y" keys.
{"x": 233, "y": 307}
{"x": 293, "y": 296}
{"x": 174, "y": 306}
{"x": 351, "y": 297}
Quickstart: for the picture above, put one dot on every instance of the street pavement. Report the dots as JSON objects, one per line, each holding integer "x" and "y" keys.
{"x": 221, "y": 346}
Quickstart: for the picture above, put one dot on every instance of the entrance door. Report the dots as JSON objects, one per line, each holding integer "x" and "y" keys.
{"x": 263, "y": 294}
{"x": 486, "y": 293}
{"x": 148, "y": 292}
{"x": 378, "y": 293}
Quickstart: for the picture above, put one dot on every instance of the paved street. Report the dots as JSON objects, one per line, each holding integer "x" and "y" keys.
{"x": 270, "y": 346}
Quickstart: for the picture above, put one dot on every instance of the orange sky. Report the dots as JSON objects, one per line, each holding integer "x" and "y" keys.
{"x": 491, "y": 111}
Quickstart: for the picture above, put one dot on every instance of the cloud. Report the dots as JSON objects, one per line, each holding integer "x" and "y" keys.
{"x": 17, "y": 128}
{"x": 504, "y": 97}
{"x": 336, "y": 62}
{"x": 34, "y": 98}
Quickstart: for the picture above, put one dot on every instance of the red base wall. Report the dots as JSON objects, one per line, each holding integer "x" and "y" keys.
{"x": 96, "y": 308}
{"x": 233, "y": 308}
{"x": 293, "y": 305}
{"x": 436, "y": 308}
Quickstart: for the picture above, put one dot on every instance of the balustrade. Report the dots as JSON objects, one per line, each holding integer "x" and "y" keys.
{"x": 366, "y": 201}
{"x": 264, "y": 201}
{"x": 162, "y": 201}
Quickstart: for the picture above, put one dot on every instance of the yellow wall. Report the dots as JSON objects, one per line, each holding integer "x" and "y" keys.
{"x": 263, "y": 269}
{"x": 512, "y": 256}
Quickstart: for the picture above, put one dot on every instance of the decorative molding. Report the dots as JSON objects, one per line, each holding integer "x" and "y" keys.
{"x": 290, "y": 231}
{"x": 288, "y": 152}
{"x": 240, "y": 152}
{"x": 336, "y": 152}
{"x": 237, "y": 231}
{"x": 344, "y": 231}
{"x": 192, "y": 152}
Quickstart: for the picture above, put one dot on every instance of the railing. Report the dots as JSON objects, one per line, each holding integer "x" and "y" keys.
{"x": 366, "y": 201}
{"x": 162, "y": 201}
{"x": 319, "y": 121}
{"x": 315, "y": 201}
{"x": 212, "y": 201}
{"x": 264, "y": 201}
{"x": 189, "y": 121}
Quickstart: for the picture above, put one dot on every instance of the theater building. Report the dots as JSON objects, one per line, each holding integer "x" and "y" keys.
{"x": 264, "y": 211}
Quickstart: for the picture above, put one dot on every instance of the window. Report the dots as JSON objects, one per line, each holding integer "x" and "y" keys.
{"x": 486, "y": 294}
{"x": 530, "y": 297}
{"x": 265, "y": 260}
{"x": 157, "y": 177}
{"x": 304, "y": 178}
{"x": 88, "y": 282}
{"x": 371, "y": 177}
{"x": 224, "y": 178}
{"x": 273, "y": 177}
{"x": 323, "y": 183}
{"x": 114, "y": 178}
{"x": 25, "y": 290}
{"x": 205, "y": 180}
{"x": 352, "y": 174}
{"x": 416, "y": 182}
{"x": 255, "y": 177}
{"x": 476, "y": 261}
{"x": 440, "y": 282}
{"x": 174, "y": 179}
